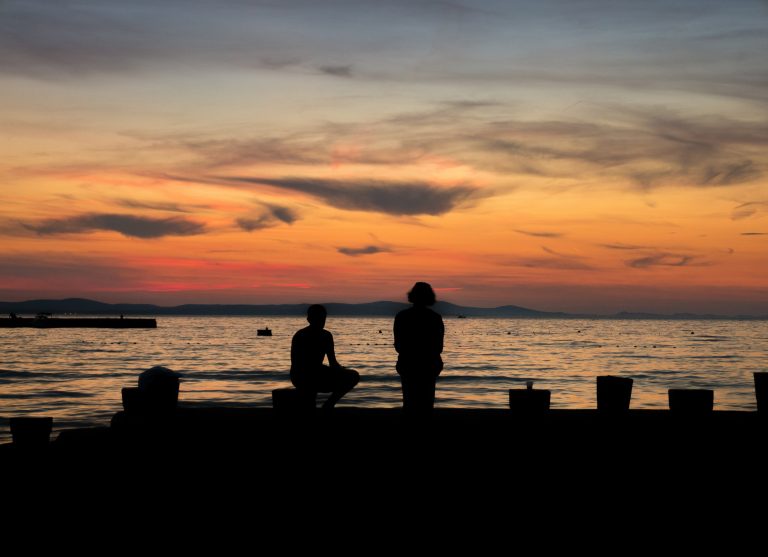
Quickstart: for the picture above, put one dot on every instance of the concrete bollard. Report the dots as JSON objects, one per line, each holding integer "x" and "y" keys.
{"x": 290, "y": 399}
{"x": 529, "y": 400}
{"x": 31, "y": 433}
{"x": 160, "y": 390}
{"x": 761, "y": 391}
{"x": 132, "y": 400}
{"x": 691, "y": 401}
{"x": 613, "y": 393}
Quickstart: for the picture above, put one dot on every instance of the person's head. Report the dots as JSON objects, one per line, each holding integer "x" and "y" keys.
{"x": 422, "y": 295}
{"x": 316, "y": 315}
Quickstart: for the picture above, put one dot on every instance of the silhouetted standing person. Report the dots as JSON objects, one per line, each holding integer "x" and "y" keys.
{"x": 309, "y": 347}
{"x": 419, "y": 335}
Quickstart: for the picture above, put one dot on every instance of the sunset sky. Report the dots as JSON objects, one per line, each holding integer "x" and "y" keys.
{"x": 568, "y": 155}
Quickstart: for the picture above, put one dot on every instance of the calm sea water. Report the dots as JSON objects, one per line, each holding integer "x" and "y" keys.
{"x": 75, "y": 375}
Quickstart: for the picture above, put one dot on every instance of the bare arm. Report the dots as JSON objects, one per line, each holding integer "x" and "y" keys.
{"x": 396, "y": 329}
{"x": 331, "y": 352}
{"x": 295, "y": 353}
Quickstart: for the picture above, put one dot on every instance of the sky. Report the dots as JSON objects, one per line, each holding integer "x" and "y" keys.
{"x": 565, "y": 155}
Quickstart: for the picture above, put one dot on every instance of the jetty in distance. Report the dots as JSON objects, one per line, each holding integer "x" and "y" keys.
{"x": 77, "y": 322}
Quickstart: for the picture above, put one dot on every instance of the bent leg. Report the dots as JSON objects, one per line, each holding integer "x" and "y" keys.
{"x": 343, "y": 381}
{"x": 418, "y": 392}
{"x": 307, "y": 389}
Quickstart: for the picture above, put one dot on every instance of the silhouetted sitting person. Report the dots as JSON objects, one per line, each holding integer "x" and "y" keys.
{"x": 419, "y": 335}
{"x": 309, "y": 347}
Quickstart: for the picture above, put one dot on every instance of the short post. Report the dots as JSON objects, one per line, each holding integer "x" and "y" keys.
{"x": 529, "y": 400}
{"x": 133, "y": 401}
{"x": 691, "y": 401}
{"x": 761, "y": 391}
{"x": 613, "y": 393}
{"x": 291, "y": 400}
{"x": 31, "y": 433}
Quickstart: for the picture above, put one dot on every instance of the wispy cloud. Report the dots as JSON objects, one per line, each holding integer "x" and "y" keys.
{"x": 665, "y": 260}
{"x": 337, "y": 71}
{"x": 647, "y": 147}
{"x": 159, "y": 206}
{"x": 394, "y": 198}
{"x": 283, "y": 214}
{"x": 629, "y": 147}
{"x": 272, "y": 215}
{"x": 249, "y": 224}
{"x": 754, "y": 233}
{"x": 127, "y": 225}
{"x": 728, "y": 173}
{"x": 366, "y": 250}
{"x": 235, "y": 151}
{"x": 540, "y": 234}
{"x": 619, "y": 246}
{"x": 556, "y": 260}
{"x": 749, "y": 209}
{"x": 69, "y": 38}
{"x": 44, "y": 39}
{"x": 549, "y": 263}
{"x": 425, "y": 40}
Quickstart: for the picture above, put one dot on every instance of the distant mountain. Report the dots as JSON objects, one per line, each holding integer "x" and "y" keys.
{"x": 389, "y": 309}
{"x": 449, "y": 309}
{"x": 687, "y": 316}
{"x": 375, "y": 309}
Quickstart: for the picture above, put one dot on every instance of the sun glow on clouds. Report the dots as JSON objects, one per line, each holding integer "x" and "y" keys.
{"x": 505, "y": 152}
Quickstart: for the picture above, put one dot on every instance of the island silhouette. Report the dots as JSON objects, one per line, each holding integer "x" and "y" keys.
{"x": 373, "y": 309}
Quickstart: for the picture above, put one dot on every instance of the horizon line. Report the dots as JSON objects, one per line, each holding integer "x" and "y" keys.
{"x": 404, "y": 303}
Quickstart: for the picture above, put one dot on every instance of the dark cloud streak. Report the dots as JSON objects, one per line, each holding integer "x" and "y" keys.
{"x": 540, "y": 234}
{"x": 159, "y": 206}
{"x": 76, "y": 38}
{"x": 549, "y": 263}
{"x": 637, "y": 147}
{"x": 665, "y": 260}
{"x": 622, "y": 246}
{"x": 271, "y": 216}
{"x": 127, "y": 225}
{"x": 749, "y": 209}
{"x": 367, "y": 250}
{"x": 337, "y": 71}
{"x": 557, "y": 261}
{"x": 393, "y": 198}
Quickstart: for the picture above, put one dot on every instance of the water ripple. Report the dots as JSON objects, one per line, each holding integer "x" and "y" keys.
{"x": 76, "y": 375}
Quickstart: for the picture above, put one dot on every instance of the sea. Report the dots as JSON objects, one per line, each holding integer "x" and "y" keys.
{"x": 75, "y": 375}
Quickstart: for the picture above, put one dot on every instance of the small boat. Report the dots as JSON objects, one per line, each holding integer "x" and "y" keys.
{"x": 264, "y": 332}
{"x": 461, "y": 316}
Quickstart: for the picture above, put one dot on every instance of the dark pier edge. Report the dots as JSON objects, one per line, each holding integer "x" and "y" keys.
{"x": 474, "y": 436}
{"x": 472, "y": 463}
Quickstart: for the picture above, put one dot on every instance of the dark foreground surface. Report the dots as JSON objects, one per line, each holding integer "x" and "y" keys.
{"x": 258, "y": 443}
{"x": 642, "y": 470}
{"x": 364, "y": 480}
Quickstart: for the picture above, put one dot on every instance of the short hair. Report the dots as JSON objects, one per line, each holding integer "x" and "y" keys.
{"x": 316, "y": 310}
{"x": 422, "y": 294}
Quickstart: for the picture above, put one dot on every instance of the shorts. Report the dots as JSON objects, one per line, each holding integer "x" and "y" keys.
{"x": 324, "y": 379}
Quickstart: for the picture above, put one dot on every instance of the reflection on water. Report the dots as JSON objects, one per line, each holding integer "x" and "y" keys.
{"x": 75, "y": 375}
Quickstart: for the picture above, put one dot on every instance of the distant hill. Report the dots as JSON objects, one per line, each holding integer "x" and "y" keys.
{"x": 84, "y": 306}
{"x": 387, "y": 309}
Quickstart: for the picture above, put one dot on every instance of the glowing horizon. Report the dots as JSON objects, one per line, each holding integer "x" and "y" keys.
{"x": 587, "y": 157}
